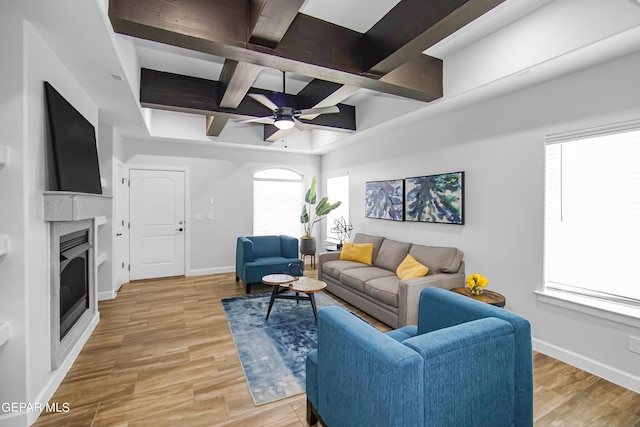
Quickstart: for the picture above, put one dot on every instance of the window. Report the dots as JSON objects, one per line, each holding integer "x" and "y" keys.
{"x": 592, "y": 213}
{"x": 278, "y": 195}
{"x": 337, "y": 190}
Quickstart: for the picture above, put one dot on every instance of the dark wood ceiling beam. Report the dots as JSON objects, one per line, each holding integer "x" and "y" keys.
{"x": 219, "y": 21}
{"x": 188, "y": 94}
{"x": 310, "y": 47}
{"x": 412, "y": 26}
{"x": 236, "y": 79}
{"x": 320, "y": 43}
{"x": 272, "y": 133}
{"x": 410, "y": 73}
{"x": 175, "y": 92}
{"x": 215, "y": 124}
{"x": 269, "y": 20}
{"x": 322, "y": 93}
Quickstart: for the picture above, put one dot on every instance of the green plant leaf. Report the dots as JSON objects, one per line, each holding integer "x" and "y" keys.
{"x": 323, "y": 208}
{"x": 320, "y": 211}
{"x": 310, "y": 197}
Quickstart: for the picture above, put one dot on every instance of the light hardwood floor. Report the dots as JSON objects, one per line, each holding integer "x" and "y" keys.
{"x": 163, "y": 355}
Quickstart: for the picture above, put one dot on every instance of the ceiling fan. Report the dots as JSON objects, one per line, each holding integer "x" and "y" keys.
{"x": 285, "y": 117}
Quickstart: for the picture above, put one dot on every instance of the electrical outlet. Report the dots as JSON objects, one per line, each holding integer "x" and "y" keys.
{"x": 634, "y": 344}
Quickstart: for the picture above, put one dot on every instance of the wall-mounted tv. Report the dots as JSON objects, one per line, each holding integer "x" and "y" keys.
{"x": 73, "y": 154}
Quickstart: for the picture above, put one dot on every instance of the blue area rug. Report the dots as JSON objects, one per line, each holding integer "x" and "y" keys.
{"x": 273, "y": 352}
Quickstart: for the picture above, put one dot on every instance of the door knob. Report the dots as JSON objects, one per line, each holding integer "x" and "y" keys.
{"x": 118, "y": 234}
{"x": 179, "y": 229}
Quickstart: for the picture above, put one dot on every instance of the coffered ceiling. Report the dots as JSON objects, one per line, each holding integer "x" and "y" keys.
{"x": 334, "y": 55}
{"x": 516, "y": 44}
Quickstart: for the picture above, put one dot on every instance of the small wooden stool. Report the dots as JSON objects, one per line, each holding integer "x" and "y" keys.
{"x": 313, "y": 259}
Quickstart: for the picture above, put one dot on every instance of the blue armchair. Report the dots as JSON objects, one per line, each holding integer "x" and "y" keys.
{"x": 466, "y": 363}
{"x": 257, "y": 256}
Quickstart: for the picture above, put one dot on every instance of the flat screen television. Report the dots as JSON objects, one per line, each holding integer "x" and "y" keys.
{"x": 73, "y": 153}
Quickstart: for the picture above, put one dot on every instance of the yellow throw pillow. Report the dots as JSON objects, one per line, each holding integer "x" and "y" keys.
{"x": 360, "y": 252}
{"x": 410, "y": 268}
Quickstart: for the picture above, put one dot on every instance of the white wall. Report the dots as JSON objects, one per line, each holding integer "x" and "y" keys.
{"x": 538, "y": 38}
{"x": 13, "y": 371}
{"x": 104, "y": 235}
{"x": 24, "y": 289}
{"x": 500, "y": 145}
{"x": 226, "y": 175}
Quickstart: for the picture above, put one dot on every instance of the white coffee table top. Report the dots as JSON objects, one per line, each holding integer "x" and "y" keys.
{"x": 277, "y": 279}
{"x": 307, "y": 285}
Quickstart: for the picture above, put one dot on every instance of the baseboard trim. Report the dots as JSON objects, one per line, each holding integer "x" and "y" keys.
{"x": 217, "y": 270}
{"x": 207, "y": 271}
{"x": 106, "y": 295}
{"x": 609, "y": 373}
{"x": 58, "y": 375}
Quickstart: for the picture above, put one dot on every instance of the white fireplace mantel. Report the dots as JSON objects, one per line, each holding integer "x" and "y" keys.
{"x": 68, "y": 212}
{"x": 68, "y": 206}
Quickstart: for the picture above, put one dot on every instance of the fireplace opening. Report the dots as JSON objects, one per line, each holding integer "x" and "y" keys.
{"x": 74, "y": 278}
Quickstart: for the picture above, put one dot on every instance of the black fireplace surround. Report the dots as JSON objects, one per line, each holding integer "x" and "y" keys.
{"x": 74, "y": 278}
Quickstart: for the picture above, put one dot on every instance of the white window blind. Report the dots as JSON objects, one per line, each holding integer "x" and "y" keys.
{"x": 337, "y": 190}
{"x": 278, "y": 195}
{"x": 592, "y": 213}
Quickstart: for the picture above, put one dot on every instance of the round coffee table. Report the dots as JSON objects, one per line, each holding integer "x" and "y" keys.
{"x": 277, "y": 279}
{"x": 309, "y": 286}
{"x": 283, "y": 282}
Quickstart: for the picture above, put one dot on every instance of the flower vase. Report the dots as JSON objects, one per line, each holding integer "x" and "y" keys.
{"x": 476, "y": 290}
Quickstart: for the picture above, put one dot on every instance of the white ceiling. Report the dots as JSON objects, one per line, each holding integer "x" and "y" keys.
{"x": 484, "y": 58}
{"x": 348, "y": 13}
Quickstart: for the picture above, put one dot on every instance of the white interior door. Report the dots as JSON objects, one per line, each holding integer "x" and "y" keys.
{"x": 120, "y": 226}
{"x": 157, "y": 223}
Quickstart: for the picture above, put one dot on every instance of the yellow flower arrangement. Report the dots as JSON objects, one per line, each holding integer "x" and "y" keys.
{"x": 476, "y": 282}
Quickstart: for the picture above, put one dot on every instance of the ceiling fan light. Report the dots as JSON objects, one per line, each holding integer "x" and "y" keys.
{"x": 283, "y": 122}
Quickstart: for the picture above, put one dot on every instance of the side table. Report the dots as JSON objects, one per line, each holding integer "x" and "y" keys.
{"x": 489, "y": 297}
{"x": 313, "y": 259}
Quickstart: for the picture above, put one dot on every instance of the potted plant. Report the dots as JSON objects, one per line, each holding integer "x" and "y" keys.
{"x": 311, "y": 215}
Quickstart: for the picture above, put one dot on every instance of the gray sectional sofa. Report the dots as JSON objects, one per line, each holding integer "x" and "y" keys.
{"x": 377, "y": 290}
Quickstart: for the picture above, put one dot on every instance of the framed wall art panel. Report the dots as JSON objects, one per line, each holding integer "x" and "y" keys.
{"x": 435, "y": 198}
{"x": 384, "y": 199}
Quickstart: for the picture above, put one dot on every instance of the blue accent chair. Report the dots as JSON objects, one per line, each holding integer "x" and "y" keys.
{"x": 466, "y": 363}
{"x": 257, "y": 256}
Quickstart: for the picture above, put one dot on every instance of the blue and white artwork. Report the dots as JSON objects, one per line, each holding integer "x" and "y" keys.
{"x": 435, "y": 198}
{"x": 384, "y": 199}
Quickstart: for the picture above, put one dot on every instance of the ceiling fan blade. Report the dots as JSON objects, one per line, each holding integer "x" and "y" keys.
{"x": 264, "y": 101}
{"x": 301, "y": 126}
{"x": 315, "y": 111}
{"x": 266, "y": 119}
